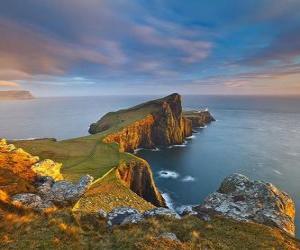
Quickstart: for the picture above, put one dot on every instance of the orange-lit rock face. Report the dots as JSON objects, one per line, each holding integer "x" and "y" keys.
{"x": 165, "y": 126}
{"x": 16, "y": 174}
{"x": 134, "y": 136}
{"x": 137, "y": 176}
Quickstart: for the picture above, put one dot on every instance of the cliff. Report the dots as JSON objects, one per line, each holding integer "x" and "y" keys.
{"x": 19, "y": 169}
{"x": 199, "y": 118}
{"x": 137, "y": 176}
{"x": 15, "y": 95}
{"x": 158, "y": 122}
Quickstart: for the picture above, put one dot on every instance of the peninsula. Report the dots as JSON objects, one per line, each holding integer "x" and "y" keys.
{"x": 74, "y": 189}
{"x": 15, "y": 95}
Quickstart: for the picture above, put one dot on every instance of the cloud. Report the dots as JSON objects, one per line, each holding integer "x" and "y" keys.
{"x": 191, "y": 46}
{"x": 8, "y": 84}
{"x": 32, "y": 51}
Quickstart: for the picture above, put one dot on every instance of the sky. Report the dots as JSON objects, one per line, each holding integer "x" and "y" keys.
{"x": 138, "y": 47}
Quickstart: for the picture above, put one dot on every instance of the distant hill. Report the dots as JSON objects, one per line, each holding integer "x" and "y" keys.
{"x": 16, "y": 95}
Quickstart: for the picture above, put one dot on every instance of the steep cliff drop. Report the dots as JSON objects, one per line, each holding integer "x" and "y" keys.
{"x": 137, "y": 176}
{"x": 151, "y": 124}
{"x": 158, "y": 122}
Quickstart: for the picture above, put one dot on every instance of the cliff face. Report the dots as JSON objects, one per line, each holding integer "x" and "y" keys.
{"x": 19, "y": 170}
{"x": 15, "y": 95}
{"x": 199, "y": 118}
{"x": 137, "y": 176}
{"x": 16, "y": 174}
{"x": 133, "y": 136}
{"x": 170, "y": 127}
{"x": 163, "y": 125}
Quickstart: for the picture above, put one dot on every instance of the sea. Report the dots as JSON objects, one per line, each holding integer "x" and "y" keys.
{"x": 258, "y": 136}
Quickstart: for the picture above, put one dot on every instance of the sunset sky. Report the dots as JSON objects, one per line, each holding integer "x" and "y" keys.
{"x": 102, "y": 47}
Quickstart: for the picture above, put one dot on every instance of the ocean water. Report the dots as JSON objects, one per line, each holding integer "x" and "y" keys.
{"x": 255, "y": 136}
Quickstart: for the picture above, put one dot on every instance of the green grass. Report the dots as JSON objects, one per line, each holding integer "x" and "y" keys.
{"x": 80, "y": 156}
{"x": 107, "y": 193}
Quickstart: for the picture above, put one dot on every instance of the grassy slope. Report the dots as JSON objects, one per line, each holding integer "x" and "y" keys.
{"x": 58, "y": 230}
{"x": 89, "y": 155}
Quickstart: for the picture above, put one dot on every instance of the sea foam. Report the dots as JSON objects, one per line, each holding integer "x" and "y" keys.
{"x": 188, "y": 178}
{"x": 168, "y": 174}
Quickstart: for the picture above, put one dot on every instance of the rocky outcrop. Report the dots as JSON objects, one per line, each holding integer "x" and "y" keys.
{"x": 133, "y": 136}
{"x": 48, "y": 168}
{"x": 19, "y": 170}
{"x": 160, "y": 211}
{"x": 16, "y": 175}
{"x": 128, "y": 215}
{"x": 199, "y": 118}
{"x": 123, "y": 216}
{"x": 15, "y": 95}
{"x": 163, "y": 123}
{"x": 137, "y": 176}
{"x": 242, "y": 199}
{"x": 51, "y": 193}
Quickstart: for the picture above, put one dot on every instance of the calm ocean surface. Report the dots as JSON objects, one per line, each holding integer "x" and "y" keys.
{"x": 255, "y": 136}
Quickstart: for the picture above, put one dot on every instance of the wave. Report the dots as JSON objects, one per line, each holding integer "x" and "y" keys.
{"x": 277, "y": 171}
{"x": 168, "y": 174}
{"x": 188, "y": 178}
{"x": 137, "y": 150}
{"x": 190, "y": 137}
{"x": 178, "y": 146}
{"x": 155, "y": 149}
{"x": 168, "y": 200}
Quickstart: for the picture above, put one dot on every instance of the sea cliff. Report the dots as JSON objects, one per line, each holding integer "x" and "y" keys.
{"x": 163, "y": 123}
{"x": 15, "y": 95}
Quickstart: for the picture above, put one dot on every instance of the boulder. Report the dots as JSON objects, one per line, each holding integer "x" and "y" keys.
{"x": 168, "y": 236}
{"x": 64, "y": 192}
{"x": 48, "y": 168}
{"x": 31, "y": 201}
{"x": 243, "y": 199}
{"x": 123, "y": 215}
{"x": 49, "y": 192}
{"x": 160, "y": 211}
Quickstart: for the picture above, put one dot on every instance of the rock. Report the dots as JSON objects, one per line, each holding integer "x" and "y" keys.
{"x": 137, "y": 175}
{"x": 242, "y": 199}
{"x": 199, "y": 118}
{"x": 163, "y": 124}
{"x": 16, "y": 175}
{"x": 187, "y": 210}
{"x": 123, "y": 215}
{"x": 31, "y": 201}
{"x": 102, "y": 214}
{"x": 64, "y": 192}
{"x": 60, "y": 193}
{"x": 168, "y": 236}
{"x": 160, "y": 211}
{"x": 48, "y": 168}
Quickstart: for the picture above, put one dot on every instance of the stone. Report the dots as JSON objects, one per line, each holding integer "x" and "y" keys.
{"x": 160, "y": 211}
{"x": 187, "y": 210}
{"x": 31, "y": 201}
{"x": 168, "y": 236}
{"x": 102, "y": 214}
{"x": 64, "y": 192}
{"x": 123, "y": 215}
{"x": 243, "y": 199}
{"x": 48, "y": 168}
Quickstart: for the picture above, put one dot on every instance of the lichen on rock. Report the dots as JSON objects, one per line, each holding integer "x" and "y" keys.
{"x": 48, "y": 168}
{"x": 242, "y": 199}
